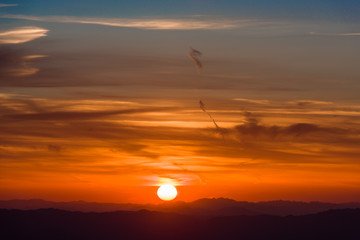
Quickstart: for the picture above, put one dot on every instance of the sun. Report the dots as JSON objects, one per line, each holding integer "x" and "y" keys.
{"x": 167, "y": 192}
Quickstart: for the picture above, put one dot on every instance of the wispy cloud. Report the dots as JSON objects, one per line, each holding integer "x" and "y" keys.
{"x": 195, "y": 56}
{"x": 348, "y": 34}
{"x": 76, "y": 115}
{"x": 335, "y": 34}
{"x": 149, "y": 23}
{"x": 21, "y": 35}
{"x": 303, "y": 103}
{"x": 255, "y": 101}
{"x": 8, "y": 5}
{"x": 13, "y": 63}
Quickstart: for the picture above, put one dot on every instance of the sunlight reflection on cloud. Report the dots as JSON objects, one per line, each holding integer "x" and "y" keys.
{"x": 22, "y": 35}
{"x": 8, "y": 5}
{"x": 156, "y": 23}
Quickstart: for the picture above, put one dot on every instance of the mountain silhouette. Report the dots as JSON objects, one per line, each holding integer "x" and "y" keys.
{"x": 57, "y": 224}
{"x": 206, "y": 207}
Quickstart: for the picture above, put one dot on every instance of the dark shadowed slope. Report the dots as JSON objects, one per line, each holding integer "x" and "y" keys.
{"x": 208, "y": 207}
{"x": 58, "y": 224}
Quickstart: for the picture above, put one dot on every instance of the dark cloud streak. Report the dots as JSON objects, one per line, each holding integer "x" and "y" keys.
{"x": 82, "y": 115}
{"x": 195, "y": 56}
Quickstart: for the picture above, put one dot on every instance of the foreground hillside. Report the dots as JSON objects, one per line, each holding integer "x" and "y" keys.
{"x": 65, "y": 225}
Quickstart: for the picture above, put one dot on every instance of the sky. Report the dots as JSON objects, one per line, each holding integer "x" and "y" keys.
{"x": 99, "y": 100}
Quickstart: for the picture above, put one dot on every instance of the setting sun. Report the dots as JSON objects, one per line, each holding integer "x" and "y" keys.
{"x": 167, "y": 192}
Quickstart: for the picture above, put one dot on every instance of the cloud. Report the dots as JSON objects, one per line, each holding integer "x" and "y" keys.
{"x": 81, "y": 115}
{"x": 335, "y": 34}
{"x": 21, "y": 35}
{"x": 348, "y": 34}
{"x": 305, "y": 103}
{"x": 195, "y": 55}
{"x": 150, "y": 23}
{"x": 95, "y": 137}
{"x": 252, "y": 128}
{"x": 254, "y": 101}
{"x": 15, "y": 63}
{"x": 257, "y": 131}
{"x": 8, "y": 5}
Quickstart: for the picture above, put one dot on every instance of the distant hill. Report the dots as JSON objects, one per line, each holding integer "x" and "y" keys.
{"x": 66, "y": 225}
{"x": 206, "y": 207}
{"x": 71, "y": 206}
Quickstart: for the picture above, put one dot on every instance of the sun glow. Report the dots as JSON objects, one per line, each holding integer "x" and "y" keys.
{"x": 167, "y": 192}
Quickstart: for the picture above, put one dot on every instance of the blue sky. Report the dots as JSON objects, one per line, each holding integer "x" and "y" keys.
{"x": 336, "y": 10}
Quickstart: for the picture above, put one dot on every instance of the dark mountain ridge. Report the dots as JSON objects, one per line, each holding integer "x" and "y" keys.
{"x": 206, "y": 206}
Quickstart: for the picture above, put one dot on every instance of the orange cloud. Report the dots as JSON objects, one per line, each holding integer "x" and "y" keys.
{"x": 55, "y": 141}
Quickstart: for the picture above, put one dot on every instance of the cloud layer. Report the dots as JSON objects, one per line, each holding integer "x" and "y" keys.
{"x": 149, "y": 23}
{"x": 130, "y": 139}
